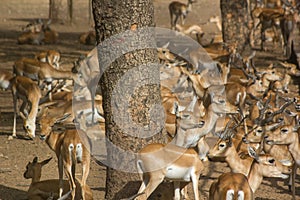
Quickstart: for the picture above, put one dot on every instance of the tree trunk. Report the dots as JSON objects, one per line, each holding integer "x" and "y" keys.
{"x": 235, "y": 20}
{"x": 130, "y": 90}
{"x": 54, "y": 6}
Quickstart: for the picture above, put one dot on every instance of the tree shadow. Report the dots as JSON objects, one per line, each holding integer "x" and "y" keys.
{"x": 7, "y": 193}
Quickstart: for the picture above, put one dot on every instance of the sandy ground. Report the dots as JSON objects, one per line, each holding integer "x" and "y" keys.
{"x": 15, "y": 154}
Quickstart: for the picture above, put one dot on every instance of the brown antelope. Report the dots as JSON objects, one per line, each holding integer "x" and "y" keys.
{"x": 5, "y": 77}
{"x": 189, "y": 30}
{"x": 269, "y": 18}
{"x": 51, "y": 56}
{"x": 190, "y": 137}
{"x": 264, "y": 166}
{"x": 181, "y": 10}
{"x": 28, "y": 91}
{"x": 68, "y": 111}
{"x": 157, "y": 162}
{"x": 217, "y": 20}
{"x": 43, "y": 72}
{"x": 89, "y": 70}
{"x": 231, "y": 186}
{"x": 288, "y": 24}
{"x": 287, "y": 135}
{"x": 71, "y": 147}
{"x": 39, "y": 33}
{"x": 40, "y": 190}
{"x": 88, "y": 38}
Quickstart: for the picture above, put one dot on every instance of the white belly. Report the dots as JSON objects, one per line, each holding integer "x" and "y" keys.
{"x": 179, "y": 173}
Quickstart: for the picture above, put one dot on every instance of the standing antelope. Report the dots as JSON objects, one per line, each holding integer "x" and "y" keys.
{"x": 27, "y": 90}
{"x": 157, "y": 162}
{"x": 179, "y": 10}
{"x": 190, "y": 137}
{"x": 88, "y": 68}
{"x": 71, "y": 147}
{"x": 255, "y": 170}
{"x": 41, "y": 190}
{"x": 231, "y": 186}
{"x": 288, "y": 135}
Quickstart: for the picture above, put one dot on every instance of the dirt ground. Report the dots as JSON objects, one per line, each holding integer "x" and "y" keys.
{"x": 15, "y": 154}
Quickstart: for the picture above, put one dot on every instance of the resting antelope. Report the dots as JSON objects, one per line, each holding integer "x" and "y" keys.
{"x": 189, "y": 30}
{"x": 181, "y": 10}
{"x": 5, "y": 77}
{"x": 27, "y": 90}
{"x": 41, "y": 190}
{"x": 51, "y": 56}
{"x": 38, "y": 33}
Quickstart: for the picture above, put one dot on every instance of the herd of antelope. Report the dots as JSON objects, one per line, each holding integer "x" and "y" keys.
{"x": 254, "y": 111}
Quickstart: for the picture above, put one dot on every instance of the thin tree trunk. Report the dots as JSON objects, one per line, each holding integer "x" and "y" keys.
{"x": 54, "y": 6}
{"x": 123, "y": 124}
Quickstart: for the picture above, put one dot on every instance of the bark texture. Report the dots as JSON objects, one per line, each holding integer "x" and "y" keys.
{"x": 112, "y": 18}
{"x": 235, "y": 20}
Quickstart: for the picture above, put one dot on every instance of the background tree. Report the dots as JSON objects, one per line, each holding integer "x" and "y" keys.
{"x": 113, "y": 17}
{"x": 235, "y": 20}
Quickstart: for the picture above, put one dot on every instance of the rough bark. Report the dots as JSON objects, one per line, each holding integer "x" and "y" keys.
{"x": 54, "y": 7}
{"x": 235, "y": 19}
{"x": 114, "y": 17}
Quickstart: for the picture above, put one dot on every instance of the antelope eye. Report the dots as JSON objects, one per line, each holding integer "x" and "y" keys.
{"x": 163, "y": 51}
{"x": 185, "y": 116}
{"x": 284, "y": 130}
{"x": 222, "y": 145}
{"x": 272, "y": 161}
{"x": 222, "y": 101}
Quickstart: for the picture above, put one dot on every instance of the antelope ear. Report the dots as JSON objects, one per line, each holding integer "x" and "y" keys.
{"x": 295, "y": 128}
{"x": 259, "y": 105}
{"x": 63, "y": 118}
{"x": 35, "y": 160}
{"x": 175, "y": 109}
{"x": 44, "y": 162}
{"x": 252, "y": 153}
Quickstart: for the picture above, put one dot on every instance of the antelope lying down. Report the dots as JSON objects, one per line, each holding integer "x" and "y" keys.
{"x": 43, "y": 190}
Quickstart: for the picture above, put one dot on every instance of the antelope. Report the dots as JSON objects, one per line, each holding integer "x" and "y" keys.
{"x": 27, "y": 90}
{"x": 67, "y": 113}
{"x": 39, "y": 33}
{"x": 51, "y": 56}
{"x": 216, "y": 19}
{"x": 88, "y": 38}
{"x": 190, "y": 137}
{"x": 287, "y": 135}
{"x": 189, "y": 30}
{"x": 181, "y": 10}
{"x": 5, "y": 77}
{"x": 231, "y": 186}
{"x": 157, "y": 162}
{"x": 71, "y": 147}
{"x": 269, "y": 18}
{"x": 288, "y": 24}
{"x": 255, "y": 170}
{"x": 43, "y": 72}
{"x": 40, "y": 190}
{"x": 89, "y": 70}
